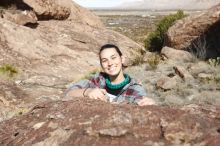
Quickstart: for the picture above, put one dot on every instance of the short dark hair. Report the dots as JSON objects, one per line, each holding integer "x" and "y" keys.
{"x": 106, "y": 46}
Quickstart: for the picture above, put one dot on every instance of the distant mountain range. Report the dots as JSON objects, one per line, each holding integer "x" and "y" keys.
{"x": 168, "y": 4}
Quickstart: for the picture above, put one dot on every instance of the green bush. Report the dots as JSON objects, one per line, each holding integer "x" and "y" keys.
{"x": 155, "y": 40}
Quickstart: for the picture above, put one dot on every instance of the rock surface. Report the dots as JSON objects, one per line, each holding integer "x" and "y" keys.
{"x": 197, "y": 33}
{"x": 177, "y": 55}
{"x": 49, "y": 9}
{"x": 20, "y": 17}
{"x": 100, "y": 123}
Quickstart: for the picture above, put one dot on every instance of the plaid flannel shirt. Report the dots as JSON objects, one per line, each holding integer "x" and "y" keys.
{"x": 131, "y": 93}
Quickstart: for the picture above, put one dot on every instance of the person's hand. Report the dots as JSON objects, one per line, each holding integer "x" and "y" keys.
{"x": 96, "y": 93}
{"x": 146, "y": 101}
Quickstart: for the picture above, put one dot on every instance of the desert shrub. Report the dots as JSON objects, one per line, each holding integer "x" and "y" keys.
{"x": 8, "y": 70}
{"x": 198, "y": 48}
{"x": 155, "y": 40}
{"x": 138, "y": 60}
{"x": 153, "y": 60}
{"x": 213, "y": 78}
{"x": 216, "y": 78}
{"x": 21, "y": 111}
{"x": 138, "y": 57}
{"x": 214, "y": 62}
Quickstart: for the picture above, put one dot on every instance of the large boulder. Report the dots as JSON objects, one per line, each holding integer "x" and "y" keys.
{"x": 178, "y": 55}
{"x": 20, "y": 17}
{"x": 54, "y": 9}
{"x": 63, "y": 9}
{"x": 49, "y": 9}
{"x": 197, "y": 33}
{"x": 91, "y": 122}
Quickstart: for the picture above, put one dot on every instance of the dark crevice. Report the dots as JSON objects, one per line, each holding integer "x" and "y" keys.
{"x": 171, "y": 75}
{"x": 16, "y": 134}
{"x": 14, "y": 4}
{"x": 162, "y": 131}
{"x": 48, "y": 17}
{"x": 207, "y": 45}
{"x": 32, "y": 25}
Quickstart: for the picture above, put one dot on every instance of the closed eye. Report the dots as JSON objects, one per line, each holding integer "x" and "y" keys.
{"x": 104, "y": 60}
{"x": 114, "y": 57}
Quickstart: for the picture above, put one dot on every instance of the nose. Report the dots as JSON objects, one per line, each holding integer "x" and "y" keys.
{"x": 110, "y": 62}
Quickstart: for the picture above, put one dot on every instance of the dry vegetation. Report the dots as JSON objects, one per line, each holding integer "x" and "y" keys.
{"x": 8, "y": 70}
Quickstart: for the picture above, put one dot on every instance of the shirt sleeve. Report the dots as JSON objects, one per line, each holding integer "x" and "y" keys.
{"x": 86, "y": 83}
{"x": 138, "y": 93}
{"x": 79, "y": 85}
{"x": 133, "y": 94}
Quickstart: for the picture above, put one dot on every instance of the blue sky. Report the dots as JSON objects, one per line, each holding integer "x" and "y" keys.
{"x": 101, "y": 3}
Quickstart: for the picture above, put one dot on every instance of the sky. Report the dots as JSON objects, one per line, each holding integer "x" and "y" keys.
{"x": 101, "y": 3}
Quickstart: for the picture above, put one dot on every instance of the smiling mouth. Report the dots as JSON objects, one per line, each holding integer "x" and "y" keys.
{"x": 111, "y": 68}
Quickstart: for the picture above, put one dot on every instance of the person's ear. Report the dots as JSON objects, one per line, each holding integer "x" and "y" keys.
{"x": 123, "y": 61}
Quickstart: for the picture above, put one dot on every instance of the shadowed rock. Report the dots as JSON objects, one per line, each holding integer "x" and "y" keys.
{"x": 90, "y": 122}
{"x": 197, "y": 33}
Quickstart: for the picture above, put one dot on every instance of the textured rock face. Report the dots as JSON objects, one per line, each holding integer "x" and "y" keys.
{"x": 20, "y": 17}
{"x": 49, "y": 9}
{"x": 55, "y": 9}
{"x": 63, "y": 9}
{"x": 178, "y": 55}
{"x": 197, "y": 33}
{"x": 57, "y": 48}
{"x": 10, "y": 96}
{"x": 90, "y": 122}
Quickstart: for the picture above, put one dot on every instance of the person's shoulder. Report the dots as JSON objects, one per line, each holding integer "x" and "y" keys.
{"x": 135, "y": 82}
{"x": 137, "y": 87}
{"x": 98, "y": 80}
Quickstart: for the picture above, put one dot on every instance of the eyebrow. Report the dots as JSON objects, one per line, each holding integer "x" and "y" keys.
{"x": 110, "y": 56}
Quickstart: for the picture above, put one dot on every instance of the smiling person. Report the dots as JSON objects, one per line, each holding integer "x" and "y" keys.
{"x": 112, "y": 84}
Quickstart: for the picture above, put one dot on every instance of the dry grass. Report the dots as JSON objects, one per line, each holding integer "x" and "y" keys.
{"x": 8, "y": 70}
{"x": 93, "y": 72}
{"x": 198, "y": 48}
{"x": 214, "y": 62}
{"x": 153, "y": 60}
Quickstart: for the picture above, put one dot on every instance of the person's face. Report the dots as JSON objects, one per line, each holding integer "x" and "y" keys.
{"x": 111, "y": 61}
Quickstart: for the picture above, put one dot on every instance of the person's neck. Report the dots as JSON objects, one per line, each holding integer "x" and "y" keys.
{"x": 117, "y": 79}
